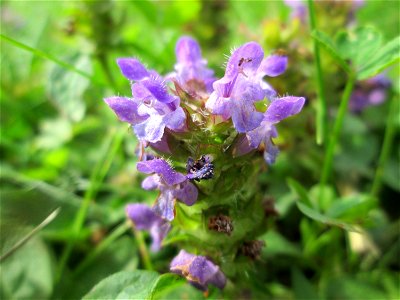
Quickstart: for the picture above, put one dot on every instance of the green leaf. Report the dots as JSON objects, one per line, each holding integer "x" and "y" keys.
{"x": 352, "y": 207}
{"x": 297, "y": 188}
{"x": 125, "y": 285}
{"x": 329, "y": 196}
{"x": 358, "y": 45}
{"x": 315, "y": 215}
{"x": 27, "y": 274}
{"x": 329, "y": 46}
{"x": 349, "y": 288}
{"x": 302, "y": 288}
{"x": 165, "y": 284}
{"x": 66, "y": 90}
{"x": 304, "y": 205}
{"x": 386, "y": 56}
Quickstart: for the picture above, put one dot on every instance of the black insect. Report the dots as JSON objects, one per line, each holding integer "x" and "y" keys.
{"x": 244, "y": 60}
{"x": 201, "y": 168}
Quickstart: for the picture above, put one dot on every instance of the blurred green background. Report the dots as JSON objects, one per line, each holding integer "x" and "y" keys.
{"x": 62, "y": 147}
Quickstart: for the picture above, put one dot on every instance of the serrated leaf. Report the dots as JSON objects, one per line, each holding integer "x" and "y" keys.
{"x": 329, "y": 45}
{"x": 358, "y": 45}
{"x": 386, "y": 56}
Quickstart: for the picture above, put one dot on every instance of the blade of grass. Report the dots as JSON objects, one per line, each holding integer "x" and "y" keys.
{"x": 50, "y": 57}
{"x": 20, "y": 243}
{"x": 390, "y": 130}
{"x": 327, "y": 166}
{"x": 96, "y": 179}
{"x": 321, "y": 105}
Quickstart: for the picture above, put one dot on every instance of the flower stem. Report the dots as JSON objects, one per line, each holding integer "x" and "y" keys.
{"x": 327, "y": 167}
{"x": 387, "y": 145}
{"x": 144, "y": 253}
{"x": 321, "y": 105}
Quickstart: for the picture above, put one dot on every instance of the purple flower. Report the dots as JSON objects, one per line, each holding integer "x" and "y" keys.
{"x": 198, "y": 270}
{"x": 144, "y": 218}
{"x": 172, "y": 186}
{"x": 369, "y": 92}
{"x": 234, "y": 94}
{"x": 278, "y": 110}
{"x": 298, "y": 9}
{"x": 152, "y": 108}
{"x": 191, "y": 69}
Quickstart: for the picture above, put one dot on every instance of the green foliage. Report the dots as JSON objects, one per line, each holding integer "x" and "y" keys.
{"x": 363, "y": 48}
{"x": 135, "y": 285}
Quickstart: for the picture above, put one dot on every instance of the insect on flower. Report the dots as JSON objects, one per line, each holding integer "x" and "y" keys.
{"x": 201, "y": 168}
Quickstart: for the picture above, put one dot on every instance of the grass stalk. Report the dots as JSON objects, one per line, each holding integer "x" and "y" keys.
{"x": 321, "y": 119}
{"x": 390, "y": 130}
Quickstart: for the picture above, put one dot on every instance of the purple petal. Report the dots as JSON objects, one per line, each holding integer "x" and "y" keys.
{"x": 151, "y": 183}
{"x": 198, "y": 270}
{"x": 246, "y": 58}
{"x": 270, "y": 152}
{"x": 141, "y": 215}
{"x": 165, "y": 205}
{"x": 150, "y": 130}
{"x": 218, "y": 279}
{"x": 206, "y": 272}
{"x": 126, "y": 109}
{"x": 182, "y": 260}
{"x": 245, "y": 117}
{"x": 242, "y": 146}
{"x": 272, "y": 66}
{"x": 132, "y": 69}
{"x": 377, "y": 96}
{"x": 187, "y": 193}
{"x": 219, "y": 105}
{"x": 187, "y": 50}
{"x": 161, "y": 167}
{"x": 161, "y": 146}
{"x": 282, "y": 108}
{"x": 175, "y": 120}
{"x": 158, "y": 232}
{"x": 264, "y": 132}
{"x": 156, "y": 87}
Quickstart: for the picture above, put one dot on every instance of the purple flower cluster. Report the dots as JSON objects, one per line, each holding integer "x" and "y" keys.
{"x": 372, "y": 91}
{"x": 155, "y": 110}
{"x": 299, "y": 7}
